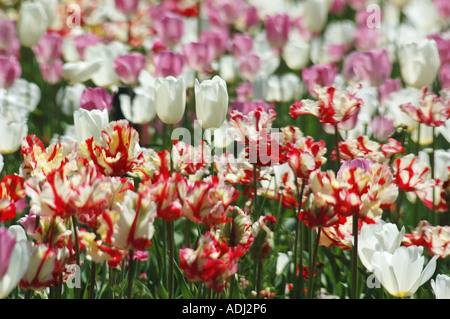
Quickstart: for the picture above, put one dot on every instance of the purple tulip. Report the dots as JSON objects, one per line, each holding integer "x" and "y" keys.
{"x": 373, "y": 66}
{"x": 168, "y": 63}
{"x": 322, "y": 75}
{"x": 96, "y": 99}
{"x": 128, "y": 67}
{"x": 277, "y": 29}
{"x": 10, "y": 70}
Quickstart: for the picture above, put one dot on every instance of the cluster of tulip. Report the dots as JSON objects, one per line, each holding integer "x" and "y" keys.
{"x": 224, "y": 149}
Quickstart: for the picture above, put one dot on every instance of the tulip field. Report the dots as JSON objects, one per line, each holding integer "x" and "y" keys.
{"x": 224, "y": 150}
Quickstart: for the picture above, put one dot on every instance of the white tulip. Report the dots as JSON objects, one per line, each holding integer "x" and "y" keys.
{"x": 81, "y": 71}
{"x": 315, "y": 14}
{"x": 12, "y": 134}
{"x": 423, "y": 14}
{"x": 399, "y": 3}
{"x": 19, "y": 260}
{"x": 89, "y": 124}
{"x": 419, "y": 63}
{"x": 384, "y": 236}
{"x": 69, "y": 97}
{"x": 441, "y": 287}
{"x": 32, "y": 23}
{"x": 105, "y": 75}
{"x": 170, "y": 99}
{"x": 2, "y": 163}
{"x": 211, "y": 102}
{"x": 22, "y": 96}
{"x": 296, "y": 51}
{"x": 402, "y": 272}
{"x": 140, "y": 109}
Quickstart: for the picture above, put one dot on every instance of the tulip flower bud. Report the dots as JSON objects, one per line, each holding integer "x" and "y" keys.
{"x": 419, "y": 63}
{"x": 211, "y": 102}
{"x": 89, "y": 123}
{"x": 170, "y": 29}
{"x": 127, "y": 7}
{"x": 170, "y": 99}
{"x": 15, "y": 258}
{"x": 32, "y": 23}
{"x": 128, "y": 67}
{"x": 315, "y": 15}
{"x": 96, "y": 98}
{"x": 140, "y": 109}
{"x": 10, "y": 70}
{"x": 277, "y": 29}
{"x": 11, "y": 135}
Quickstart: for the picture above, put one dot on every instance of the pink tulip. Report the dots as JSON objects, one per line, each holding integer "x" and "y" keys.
{"x": 358, "y": 5}
{"x": 52, "y": 73}
{"x": 444, "y": 76}
{"x": 128, "y": 7}
{"x": 322, "y": 75}
{"x": 10, "y": 70}
{"x": 443, "y": 47}
{"x": 49, "y": 48}
{"x": 170, "y": 29}
{"x": 389, "y": 86}
{"x": 242, "y": 43}
{"x": 197, "y": 56}
{"x": 382, "y": 127}
{"x": 373, "y": 66}
{"x": 230, "y": 10}
{"x": 367, "y": 38}
{"x": 277, "y": 29}
{"x": 337, "y": 51}
{"x": 249, "y": 65}
{"x": 168, "y": 63}
{"x": 217, "y": 41}
{"x": 251, "y": 17}
{"x": 338, "y": 6}
{"x": 128, "y": 67}
{"x": 96, "y": 99}
{"x": 443, "y": 7}
{"x": 9, "y": 43}
{"x": 83, "y": 41}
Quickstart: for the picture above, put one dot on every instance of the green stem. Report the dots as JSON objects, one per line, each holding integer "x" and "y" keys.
{"x": 130, "y": 273}
{"x": 92, "y": 286}
{"x": 432, "y": 159}
{"x": 255, "y": 192}
{"x": 336, "y": 139}
{"x": 77, "y": 251}
{"x": 354, "y": 265}
{"x": 312, "y": 268}
{"x": 171, "y": 257}
{"x": 258, "y": 279}
{"x": 298, "y": 280}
